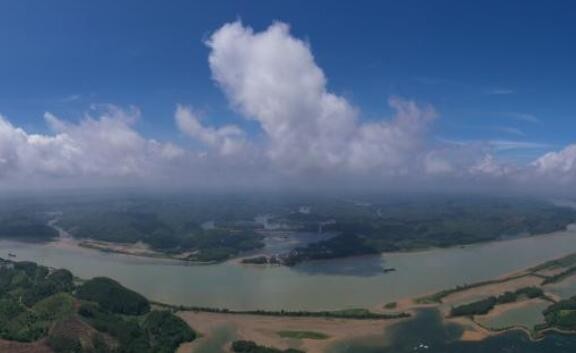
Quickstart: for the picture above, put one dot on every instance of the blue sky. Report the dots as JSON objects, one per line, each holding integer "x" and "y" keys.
{"x": 495, "y": 71}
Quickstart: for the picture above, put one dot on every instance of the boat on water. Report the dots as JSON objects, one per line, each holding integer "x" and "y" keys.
{"x": 421, "y": 346}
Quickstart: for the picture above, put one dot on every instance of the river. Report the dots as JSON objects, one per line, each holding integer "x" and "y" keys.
{"x": 336, "y": 284}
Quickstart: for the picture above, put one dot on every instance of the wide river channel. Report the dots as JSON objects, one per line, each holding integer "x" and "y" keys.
{"x": 346, "y": 283}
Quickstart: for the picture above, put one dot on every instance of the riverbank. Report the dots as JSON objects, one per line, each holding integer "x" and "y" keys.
{"x": 328, "y": 285}
{"x": 532, "y": 275}
{"x": 138, "y": 249}
{"x": 265, "y": 329}
{"x": 143, "y": 250}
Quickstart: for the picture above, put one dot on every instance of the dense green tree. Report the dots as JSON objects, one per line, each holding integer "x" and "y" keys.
{"x": 112, "y": 296}
{"x": 166, "y": 331}
{"x": 64, "y": 344}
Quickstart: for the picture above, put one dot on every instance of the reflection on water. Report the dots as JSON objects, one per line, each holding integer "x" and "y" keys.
{"x": 428, "y": 333}
{"x": 366, "y": 266}
{"x": 282, "y": 242}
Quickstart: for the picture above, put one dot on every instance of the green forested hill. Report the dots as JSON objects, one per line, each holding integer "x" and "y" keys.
{"x": 99, "y": 316}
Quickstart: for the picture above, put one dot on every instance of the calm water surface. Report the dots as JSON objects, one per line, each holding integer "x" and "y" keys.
{"x": 428, "y": 333}
{"x": 345, "y": 283}
{"x": 527, "y": 316}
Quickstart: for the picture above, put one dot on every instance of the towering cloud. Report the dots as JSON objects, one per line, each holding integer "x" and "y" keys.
{"x": 303, "y": 129}
{"x": 271, "y": 77}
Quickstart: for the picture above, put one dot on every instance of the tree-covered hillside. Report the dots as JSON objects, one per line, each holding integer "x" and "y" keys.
{"x": 217, "y": 227}
{"x": 414, "y": 224}
{"x": 46, "y": 308}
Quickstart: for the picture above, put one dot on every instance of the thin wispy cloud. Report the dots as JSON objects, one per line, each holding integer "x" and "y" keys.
{"x": 507, "y": 145}
{"x": 526, "y": 117}
{"x": 510, "y": 130}
{"x": 496, "y": 145}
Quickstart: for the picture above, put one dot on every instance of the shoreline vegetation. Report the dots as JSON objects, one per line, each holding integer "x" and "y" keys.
{"x": 105, "y": 305}
{"x": 351, "y": 314}
{"x": 424, "y": 225}
{"x": 144, "y": 251}
{"x": 47, "y": 304}
{"x": 139, "y": 250}
{"x": 208, "y": 230}
{"x": 484, "y": 306}
{"x": 514, "y": 290}
{"x": 559, "y": 317}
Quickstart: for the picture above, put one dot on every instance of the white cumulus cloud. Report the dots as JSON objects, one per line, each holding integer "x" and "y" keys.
{"x": 228, "y": 139}
{"x": 303, "y": 128}
{"x": 271, "y": 77}
{"x": 105, "y": 145}
{"x": 560, "y": 164}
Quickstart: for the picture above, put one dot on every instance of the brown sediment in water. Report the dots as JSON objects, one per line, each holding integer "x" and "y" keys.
{"x": 474, "y": 335}
{"x": 264, "y": 330}
{"x": 408, "y": 305}
{"x": 132, "y": 249}
{"x": 550, "y": 272}
{"x": 472, "y": 331}
{"x": 137, "y": 250}
{"x": 493, "y": 289}
{"x": 490, "y": 290}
